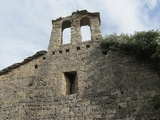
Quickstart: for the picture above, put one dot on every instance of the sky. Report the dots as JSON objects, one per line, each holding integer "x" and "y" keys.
{"x": 25, "y": 25}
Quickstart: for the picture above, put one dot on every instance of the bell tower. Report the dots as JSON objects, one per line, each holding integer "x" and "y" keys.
{"x": 75, "y": 22}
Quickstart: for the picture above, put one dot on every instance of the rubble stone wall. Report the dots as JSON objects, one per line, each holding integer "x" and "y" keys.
{"x": 16, "y": 88}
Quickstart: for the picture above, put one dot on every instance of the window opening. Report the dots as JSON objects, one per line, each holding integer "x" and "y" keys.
{"x": 85, "y": 29}
{"x": 85, "y": 32}
{"x": 53, "y": 52}
{"x": 66, "y": 36}
{"x": 66, "y": 32}
{"x": 71, "y": 82}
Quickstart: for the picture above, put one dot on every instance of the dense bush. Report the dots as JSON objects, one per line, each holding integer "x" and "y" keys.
{"x": 145, "y": 46}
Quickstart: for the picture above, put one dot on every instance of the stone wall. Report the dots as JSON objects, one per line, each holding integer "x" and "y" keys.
{"x": 16, "y": 84}
{"x": 112, "y": 86}
{"x": 108, "y": 86}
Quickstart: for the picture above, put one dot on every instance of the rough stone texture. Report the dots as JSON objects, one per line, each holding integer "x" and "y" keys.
{"x": 27, "y": 60}
{"x": 110, "y": 87}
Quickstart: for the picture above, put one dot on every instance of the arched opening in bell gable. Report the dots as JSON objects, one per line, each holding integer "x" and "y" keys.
{"x": 66, "y": 32}
{"x": 85, "y": 29}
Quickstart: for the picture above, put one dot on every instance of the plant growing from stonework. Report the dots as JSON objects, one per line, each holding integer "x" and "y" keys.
{"x": 145, "y": 46}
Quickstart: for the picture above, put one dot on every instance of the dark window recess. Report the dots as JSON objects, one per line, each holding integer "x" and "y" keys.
{"x": 36, "y": 66}
{"x": 67, "y": 50}
{"x": 44, "y": 58}
{"x": 78, "y": 48}
{"x": 71, "y": 82}
{"x": 60, "y": 51}
{"x": 87, "y": 46}
{"x": 104, "y": 52}
{"x": 53, "y": 52}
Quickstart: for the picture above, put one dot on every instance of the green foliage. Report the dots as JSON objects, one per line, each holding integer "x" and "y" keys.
{"x": 145, "y": 46}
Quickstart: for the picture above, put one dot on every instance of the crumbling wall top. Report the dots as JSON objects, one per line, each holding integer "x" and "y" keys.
{"x": 81, "y": 12}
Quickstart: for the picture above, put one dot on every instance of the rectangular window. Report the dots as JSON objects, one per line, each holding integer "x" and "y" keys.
{"x": 71, "y": 82}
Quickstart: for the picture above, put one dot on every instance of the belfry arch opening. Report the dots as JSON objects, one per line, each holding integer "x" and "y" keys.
{"x": 85, "y": 29}
{"x": 66, "y": 32}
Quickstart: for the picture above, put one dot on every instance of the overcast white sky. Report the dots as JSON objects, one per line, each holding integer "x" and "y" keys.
{"x": 25, "y": 25}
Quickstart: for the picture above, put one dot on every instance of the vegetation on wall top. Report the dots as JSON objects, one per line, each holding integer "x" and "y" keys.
{"x": 145, "y": 46}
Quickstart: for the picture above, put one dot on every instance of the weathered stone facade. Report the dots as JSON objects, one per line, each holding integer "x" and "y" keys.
{"x": 77, "y": 81}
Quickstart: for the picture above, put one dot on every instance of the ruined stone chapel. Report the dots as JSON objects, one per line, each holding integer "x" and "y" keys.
{"x": 77, "y": 81}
